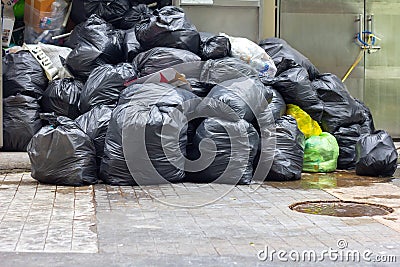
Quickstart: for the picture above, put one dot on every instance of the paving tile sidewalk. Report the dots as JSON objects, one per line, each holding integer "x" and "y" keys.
{"x": 43, "y": 218}
{"x": 112, "y": 225}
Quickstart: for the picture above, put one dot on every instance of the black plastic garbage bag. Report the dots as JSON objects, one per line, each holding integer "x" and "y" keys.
{"x": 160, "y": 58}
{"x": 156, "y": 4}
{"x": 77, "y": 16}
{"x": 279, "y": 49}
{"x": 21, "y": 121}
{"x": 265, "y": 126}
{"x": 191, "y": 148}
{"x": 225, "y": 152}
{"x": 340, "y": 108}
{"x": 220, "y": 70}
{"x": 289, "y": 151}
{"x": 95, "y": 124}
{"x": 295, "y": 87}
{"x": 62, "y": 97}
{"x": 168, "y": 27}
{"x": 368, "y": 125}
{"x": 131, "y": 45}
{"x": 148, "y": 134}
{"x": 62, "y": 154}
{"x": 89, "y": 29}
{"x": 96, "y": 45}
{"x": 233, "y": 100}
{"x": 214, "y": 46}
{"x": 113, "y": 168}
{"x": 112, "y": 11}
{"x": 104, "y": 85}
{"x": 135, "y": 15}
{"x": 277, "y": 105}
{"x": 347, "y": 138}
{"x": 376, "y": 155}
{"x": 23, "y": 74}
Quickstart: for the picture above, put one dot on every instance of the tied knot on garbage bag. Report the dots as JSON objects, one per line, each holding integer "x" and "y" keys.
{"x": 62, "y": 97}
{"x": 168, "y": 27}
{"x": 94, "y": 43}
{"x": 214, "y": 46}
{"x": 135, "y": 15}
{"x": 112, "y": 11}
{"x": 105, "y": 84}
{"x": 159, "y": 58}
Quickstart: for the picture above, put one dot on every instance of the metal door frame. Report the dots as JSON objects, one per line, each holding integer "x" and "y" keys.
{"x": 374, "y": 72}
{"x": 233, "y": 3}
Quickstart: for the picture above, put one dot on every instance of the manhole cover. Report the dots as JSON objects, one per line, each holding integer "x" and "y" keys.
{"x": 341, "y": 208}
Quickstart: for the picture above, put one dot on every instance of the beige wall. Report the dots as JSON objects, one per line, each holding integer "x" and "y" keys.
{"x": 268, "y": 19}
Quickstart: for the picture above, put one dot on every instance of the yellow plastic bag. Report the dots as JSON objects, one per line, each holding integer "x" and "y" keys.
{"x": 306, "y": 124}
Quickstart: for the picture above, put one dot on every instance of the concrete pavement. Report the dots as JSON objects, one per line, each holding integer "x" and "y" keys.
{"x": 14, "y": 162}
{"x": 105, "y": 225}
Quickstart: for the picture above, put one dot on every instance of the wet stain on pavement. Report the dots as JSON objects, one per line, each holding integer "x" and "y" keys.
{"x": 336, "y": 179}
{"x": 16, "y": 183}
{"x": 341, "y": 208}
{"x": 66, "y": 190}
{"x": 380, "y": 196}
{"x": 390, "y": 219}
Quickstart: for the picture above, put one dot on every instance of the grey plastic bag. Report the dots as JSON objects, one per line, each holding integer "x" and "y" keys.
{"x": 168, "y": 27}
{"x": 62, "y": 154}
{"x": 160, "y": 58}
{"x": 143, "y": 126}
{"x": 62, "y": 97}
{"x": 104, "y": 85}
{"x": 96, "y": 43}
{"x": 23, "y": 74}
{"x": 376, "y": 155}
{"x": 95, "y": 124}
{"x": 228, "y": 154}
{"x": 289, "y": 151}
{"x": 21, "y": 120}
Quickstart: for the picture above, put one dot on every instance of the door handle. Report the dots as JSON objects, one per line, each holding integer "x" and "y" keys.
{"x": 370, "y": 23}
{"x": 371, "y": 32}
{"x": 360, "y": 20}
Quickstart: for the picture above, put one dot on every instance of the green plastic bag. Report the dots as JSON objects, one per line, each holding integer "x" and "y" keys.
{"x": 321, "y": 153}
{"x": 306, "y": 124}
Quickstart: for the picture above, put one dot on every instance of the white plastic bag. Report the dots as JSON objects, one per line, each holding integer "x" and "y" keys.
{"x": 253, "y": 55}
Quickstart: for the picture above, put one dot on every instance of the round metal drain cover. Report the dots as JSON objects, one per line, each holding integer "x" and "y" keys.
{"x": 341, "y": 208}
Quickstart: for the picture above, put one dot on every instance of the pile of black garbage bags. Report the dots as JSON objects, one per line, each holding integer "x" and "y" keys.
{"x": 110, "y": 123}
